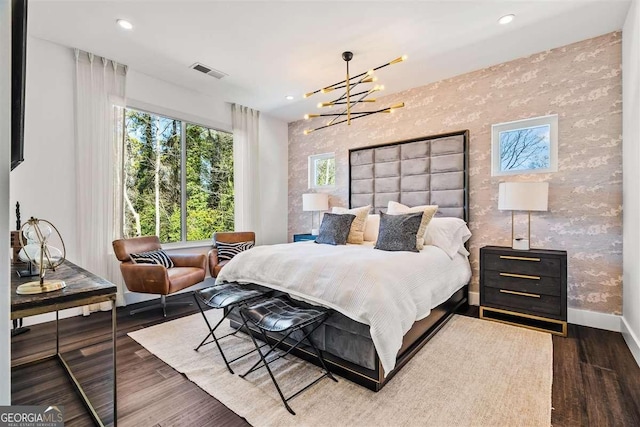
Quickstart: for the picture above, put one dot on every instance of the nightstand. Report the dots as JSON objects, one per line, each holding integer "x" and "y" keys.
{"x": 303, "y": 237}
{"x": 524, "y": 288}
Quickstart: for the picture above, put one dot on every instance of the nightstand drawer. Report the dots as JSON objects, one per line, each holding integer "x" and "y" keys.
{"x": 527, "y": 264}
{"x": 525, "y": 302}
{"x": 523, "y": 283}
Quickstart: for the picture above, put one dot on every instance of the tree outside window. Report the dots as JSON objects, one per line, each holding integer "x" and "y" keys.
{"x": 322, "y": 170}
{"x": 157, "y": 201}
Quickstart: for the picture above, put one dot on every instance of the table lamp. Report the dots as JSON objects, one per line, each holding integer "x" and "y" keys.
{"x": 523, "y": 196}
{"x": 315, "y": 202}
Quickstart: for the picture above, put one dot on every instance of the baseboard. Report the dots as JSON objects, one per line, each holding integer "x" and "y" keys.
{"x": 631, "y": 339}
{"x": 593, "y": 319}
{"x": 50, "y": 317}
{"x": 474, "y": 298}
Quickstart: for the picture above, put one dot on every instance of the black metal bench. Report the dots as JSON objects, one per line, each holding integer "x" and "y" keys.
{"x": 281, "y": 315}
{"x": 227, "y": 296}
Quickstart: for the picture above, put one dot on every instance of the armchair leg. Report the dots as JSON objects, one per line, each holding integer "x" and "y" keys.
{"x": 162, "y": 304}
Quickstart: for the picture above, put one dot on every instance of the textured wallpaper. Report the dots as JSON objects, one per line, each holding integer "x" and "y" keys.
{"x": 580, "y": 82}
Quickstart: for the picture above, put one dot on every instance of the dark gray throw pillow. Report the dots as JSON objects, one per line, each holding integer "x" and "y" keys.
{"x": 334, "y": 229}
{"x": 398, "y": 232}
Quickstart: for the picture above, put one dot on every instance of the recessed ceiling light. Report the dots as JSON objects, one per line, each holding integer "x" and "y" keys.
{"x": 123, "y": 23}
{"x": 506, "y": 19}
{"x": 289, "y": 97}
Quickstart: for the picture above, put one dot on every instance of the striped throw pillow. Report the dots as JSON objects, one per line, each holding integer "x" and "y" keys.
{"x": 226, "y": 251}
{"x": 158, "y": 257}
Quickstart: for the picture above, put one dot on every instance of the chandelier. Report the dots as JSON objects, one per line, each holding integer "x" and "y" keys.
{"x": 350, "y": 98}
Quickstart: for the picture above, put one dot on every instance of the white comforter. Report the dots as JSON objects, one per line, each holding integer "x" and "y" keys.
{"x": 388, "y": 291}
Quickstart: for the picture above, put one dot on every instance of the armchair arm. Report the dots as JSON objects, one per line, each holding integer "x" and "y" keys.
{"x": 213, "y": 260}
{"x": 145, "y": 278}
{"x": 189, "y": 260}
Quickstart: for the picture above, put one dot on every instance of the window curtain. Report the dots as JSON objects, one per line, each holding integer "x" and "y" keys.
{"x": 100, "y": 97}
{"x": 245, "y": 165}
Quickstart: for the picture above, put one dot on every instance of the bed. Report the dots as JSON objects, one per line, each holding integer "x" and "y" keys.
{"x": 387, "y": 304}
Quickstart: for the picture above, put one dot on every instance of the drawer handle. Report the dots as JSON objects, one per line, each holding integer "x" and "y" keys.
{"x": 520, "y": 276}
{"x": 524, "y": 294}
{"x": 519, "y": 258}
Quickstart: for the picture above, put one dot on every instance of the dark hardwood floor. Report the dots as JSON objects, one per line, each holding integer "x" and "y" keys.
{"x": 596, "y": 381}
{"x": 150, "y": 393}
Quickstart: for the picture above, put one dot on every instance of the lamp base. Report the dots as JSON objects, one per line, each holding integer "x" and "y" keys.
{"x": 520, "y": 244}
{"x": 31, "y": 288}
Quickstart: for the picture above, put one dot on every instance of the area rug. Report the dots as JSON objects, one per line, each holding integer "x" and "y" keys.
{"x": 472, "y": 373}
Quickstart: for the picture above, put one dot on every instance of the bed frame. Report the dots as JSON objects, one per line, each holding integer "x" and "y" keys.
{"x": 420, "y": 171}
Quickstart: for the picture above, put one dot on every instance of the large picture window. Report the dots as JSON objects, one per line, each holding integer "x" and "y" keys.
{"x": 178, "y": 178}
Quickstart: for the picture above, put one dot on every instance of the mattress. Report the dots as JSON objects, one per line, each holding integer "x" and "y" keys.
{"x": 388, "y": 291}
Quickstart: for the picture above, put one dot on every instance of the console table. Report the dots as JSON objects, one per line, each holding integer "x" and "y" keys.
{"x": 82, "y": 288}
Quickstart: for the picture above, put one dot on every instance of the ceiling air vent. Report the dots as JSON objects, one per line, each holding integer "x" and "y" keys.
{"x": 208, "y": 70}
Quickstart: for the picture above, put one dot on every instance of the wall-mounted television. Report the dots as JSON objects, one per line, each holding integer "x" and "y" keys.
{"x": 18, "y": 77}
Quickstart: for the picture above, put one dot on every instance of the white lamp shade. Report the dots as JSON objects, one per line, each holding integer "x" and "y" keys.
{"x": 523, "y": 196}
{"x": 315, "y": 202}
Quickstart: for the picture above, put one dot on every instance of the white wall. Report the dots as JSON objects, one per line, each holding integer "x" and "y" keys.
{"x": 44, "y": 183}
{"x": 147, "y": 92}
{"x": 49, "y": 144}
{"x": 5, "y": 150}
{"x": 631, "y": 178}
{"x": 274, "y": 180}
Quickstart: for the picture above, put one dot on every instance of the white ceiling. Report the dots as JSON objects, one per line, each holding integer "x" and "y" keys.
{"x": 272, "y": 49}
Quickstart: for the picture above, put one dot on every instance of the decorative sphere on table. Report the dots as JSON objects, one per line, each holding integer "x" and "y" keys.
{"x": 42, "y": 245}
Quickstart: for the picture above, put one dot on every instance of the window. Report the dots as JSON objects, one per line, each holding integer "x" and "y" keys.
{"x": 525, "y": 146}
{"x": 178, "y": 178}
{"x": 322, "y": 170}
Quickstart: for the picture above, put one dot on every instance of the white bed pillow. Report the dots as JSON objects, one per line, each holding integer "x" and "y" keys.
{"x": 449, "y": 234}
{"x": 356, "y": 234}
{"x": 428, "y": 211}
{"x": 371, "y": 228}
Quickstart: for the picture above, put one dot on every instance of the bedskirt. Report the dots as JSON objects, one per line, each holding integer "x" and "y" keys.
{"x": 347, "y": 344}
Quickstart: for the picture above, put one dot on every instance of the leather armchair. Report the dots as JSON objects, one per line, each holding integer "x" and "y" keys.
{"x": 216, "y": 265}
{"x": 188, "y": 270}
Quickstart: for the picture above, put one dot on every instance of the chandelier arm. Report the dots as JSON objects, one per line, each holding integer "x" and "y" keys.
{"x": 348, "y": 109}
{"x": 348, "y": 84}
{"x": 332, "y": 87}
{"x": 344, "y": 95}
{"x": 344, "y": 103}
{"x": 337, "y": 116}
{"x": 362, "y": 114}
{"x": 363, "y": 75}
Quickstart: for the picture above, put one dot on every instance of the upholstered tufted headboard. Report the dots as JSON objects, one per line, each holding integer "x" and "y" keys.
{"x": 430, "y": 170}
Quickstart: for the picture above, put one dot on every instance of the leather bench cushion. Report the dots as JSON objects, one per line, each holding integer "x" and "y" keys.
{"x": 337, "y": 341}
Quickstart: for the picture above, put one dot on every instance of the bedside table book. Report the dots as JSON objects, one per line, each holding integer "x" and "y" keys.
{"x": 303, "y": 237}
{"x": 524, "y": 288}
